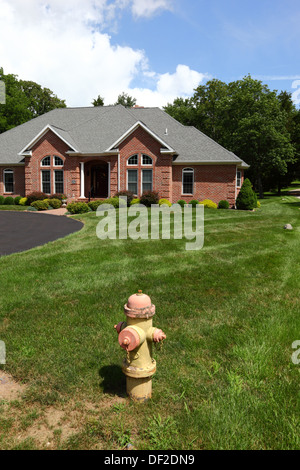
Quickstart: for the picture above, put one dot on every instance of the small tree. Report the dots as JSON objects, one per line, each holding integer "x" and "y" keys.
{"x": 246, "y": 199}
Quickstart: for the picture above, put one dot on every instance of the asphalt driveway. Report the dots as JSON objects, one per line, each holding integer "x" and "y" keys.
{"x": 20, "y": 231}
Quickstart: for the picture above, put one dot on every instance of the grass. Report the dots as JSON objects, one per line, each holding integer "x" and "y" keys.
{"x": 5, "y": 207}
{"x": 224, "y": 380}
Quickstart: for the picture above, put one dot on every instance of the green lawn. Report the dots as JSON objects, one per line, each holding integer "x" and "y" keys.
{"x": 4, "y": 207}
{"x": 224, "y": 380}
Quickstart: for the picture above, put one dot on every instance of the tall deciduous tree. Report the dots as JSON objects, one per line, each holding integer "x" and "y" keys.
{"x": 247, "y": 118}
{"x": 24, "y": 100}
{"x": 99, "y": 101}
{"x": 126, "y": 100}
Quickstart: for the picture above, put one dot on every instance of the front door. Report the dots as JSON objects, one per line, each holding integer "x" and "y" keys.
{"x": 99, "y": 181}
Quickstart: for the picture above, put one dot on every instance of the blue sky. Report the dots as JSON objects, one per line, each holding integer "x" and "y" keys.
{"x": 154, "y": 50}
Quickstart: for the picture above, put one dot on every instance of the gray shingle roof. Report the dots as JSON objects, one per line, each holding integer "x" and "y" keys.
{"x": 95, "y": 129}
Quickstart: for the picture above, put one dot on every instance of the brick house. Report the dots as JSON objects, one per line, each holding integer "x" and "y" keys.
{"x": 96, "y": 152}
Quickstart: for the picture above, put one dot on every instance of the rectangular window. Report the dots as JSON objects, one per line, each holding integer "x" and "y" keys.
{"x": 46, "y": 183}
{"x": 239, "y": 179}
{"x": 132, "y": 181}
{"x": 188, "y": 181}
{"x": 146, "y": 180}
{"x": 8, "y": 181}
{"x": 59, "y": 181}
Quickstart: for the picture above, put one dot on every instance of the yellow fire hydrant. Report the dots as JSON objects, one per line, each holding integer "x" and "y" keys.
{"x": 136, "y": 337}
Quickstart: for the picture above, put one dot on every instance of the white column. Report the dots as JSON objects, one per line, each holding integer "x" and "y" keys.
{"x": 82, "y": 196}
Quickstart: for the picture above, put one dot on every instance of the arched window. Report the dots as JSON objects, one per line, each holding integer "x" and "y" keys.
{"x": 8, "y": 180}
{"x": 46, "y": 161}
{"x": 187, "y": 181}
{"x": 58, "y": 161}
{"x": 146, "y": 160}
{"x": 132, "y": 160}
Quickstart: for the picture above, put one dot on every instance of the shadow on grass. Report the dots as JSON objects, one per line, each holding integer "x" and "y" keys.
{"x": 113, "y": 381}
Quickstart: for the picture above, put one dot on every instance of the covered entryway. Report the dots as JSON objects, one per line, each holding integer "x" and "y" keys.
{"x": 96, "y": 179}
{"x": 99, "y": 180}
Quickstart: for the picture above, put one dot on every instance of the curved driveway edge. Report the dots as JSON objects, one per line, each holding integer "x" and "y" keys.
{"x": 20, "y": 231}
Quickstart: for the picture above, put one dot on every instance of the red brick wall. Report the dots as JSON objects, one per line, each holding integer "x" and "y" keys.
{"x": 215, "y": 182}
{"x": 140, "y": 142}
{"x": 19, "y": 180}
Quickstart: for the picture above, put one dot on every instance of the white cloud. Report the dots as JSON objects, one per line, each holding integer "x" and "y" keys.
{"x": 147, "y": 8}
{"x": 62, "y": 46}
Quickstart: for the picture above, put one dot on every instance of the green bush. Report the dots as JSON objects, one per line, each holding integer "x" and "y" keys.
{"x": 23, "y": 201}
{"x": 128, "y": 194}
{"x": 17, "y": 200}
{"x": 223, "y": 205}
{"x": 149, "y": 197}
{"x": 9, "y": 201}
{"x": 194, "y": 202}
{"x": 258, "y": 204}
{"x": 181, "y": 202}
{"x": 55, "y": 203}
{"x": 246, "y": 199}
{"x": 93, "y": 205}
{"x": 135, "y": 201}
{"x": 36, "y": 196}
{"x": 208, "y": 203}
{"x": 1, "y": 200}
{"x": 40, "y": 205}
{"x": 78, "y": 208}
{"x": 164, "y": 201}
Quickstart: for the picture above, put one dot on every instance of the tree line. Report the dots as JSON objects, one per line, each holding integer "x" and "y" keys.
{"x": 260, "y": 126}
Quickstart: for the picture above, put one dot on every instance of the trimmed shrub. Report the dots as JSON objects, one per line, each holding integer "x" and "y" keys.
{"x": 93, "y": 205}
{"x": 194, "y": 202}
{"x": 9, "y": 201}
{"x": 128, "y": 194}
{"x": 17, "y": 200}
{"x": 164, "y": 201}
{"x": 78, "y": 208}
{"x": 55, "y": 203}
{"x": 1, "y": 200}
{"x": 40, "y": 205}
{"x": 135, "y": 201}
{"x": 223, "y": 205}
{"x": 36, "y": 196}
{"x": 181, "y": 202}
{"x": 246, "y": 199}
{"x": 149, "y": 197}
{"x": 23, "y": 201}
{"x": 210, "y": 204}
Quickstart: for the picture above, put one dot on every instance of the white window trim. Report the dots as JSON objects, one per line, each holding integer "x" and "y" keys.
{"x": 148, "y": 169}
{"x": 54, "y": 164}
{"x": 54, "y": 182}
{"x": 184, "y": 171}
{"x": 8, "y": 170}
{"x": 46, "y": 166}
{"x": 42, "y": 188}
{"x": 133, "y": 164}
{"x": 137, "y": 179}
{"x": 147, "y": 164}
{"x": 238, "y": 185}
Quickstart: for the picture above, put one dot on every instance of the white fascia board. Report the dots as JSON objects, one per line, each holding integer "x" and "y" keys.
{"x": 47, "y": 128}
{"x": 132, "y": 129}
